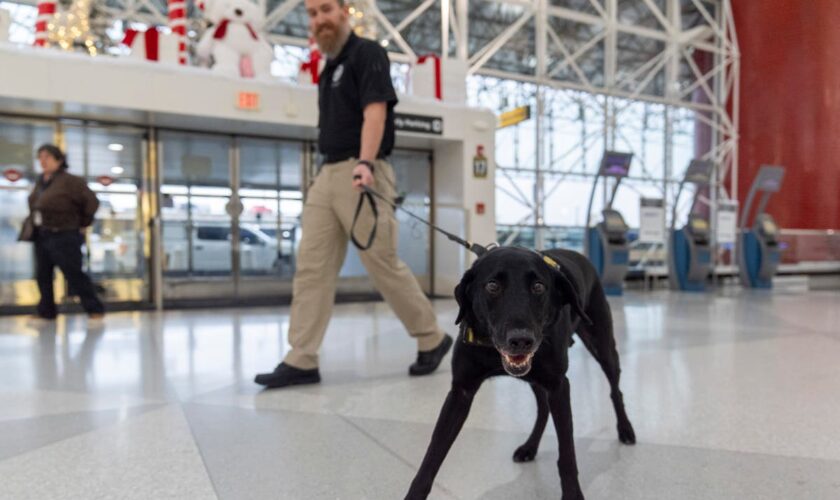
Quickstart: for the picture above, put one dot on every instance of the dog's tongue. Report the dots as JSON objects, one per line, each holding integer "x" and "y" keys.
{"x": 519, "y": 358}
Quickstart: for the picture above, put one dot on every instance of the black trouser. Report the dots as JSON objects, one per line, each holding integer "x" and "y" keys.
{"x": 62, "y": 249}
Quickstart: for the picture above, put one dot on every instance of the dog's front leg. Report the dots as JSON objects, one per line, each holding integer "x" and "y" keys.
{"x": 559, "y": 401}
{"x": 452, "y": 416}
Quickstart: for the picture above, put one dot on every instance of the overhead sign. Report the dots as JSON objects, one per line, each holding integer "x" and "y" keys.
{"x": 652, "y": 220}
{"x": 418, "y": 123}
{"x": 12, "y": 174}
{"x": 514, "y": 116}
{"x": 248, "y": 101}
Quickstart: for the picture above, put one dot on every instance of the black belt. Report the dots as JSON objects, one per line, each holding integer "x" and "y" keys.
{"x": 338, "y": 158}
{"x": 53, "y": 230}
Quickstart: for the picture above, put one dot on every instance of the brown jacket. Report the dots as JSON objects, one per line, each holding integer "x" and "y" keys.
{"x": 65, "y": 203}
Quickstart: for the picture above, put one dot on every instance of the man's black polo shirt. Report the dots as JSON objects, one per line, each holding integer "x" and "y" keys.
{"x": 360, "y": 75}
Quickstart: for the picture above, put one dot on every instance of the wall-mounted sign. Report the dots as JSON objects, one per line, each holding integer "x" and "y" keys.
{"x": 727, "y": 222}
{"x": 12, "y": 174}
{"x": 514, "y": 116}
{"x": 652, "y": 220}
{"x": 418, "y": 123}
{"x": 248, "y": 101}
{"x": 480, "y": 165}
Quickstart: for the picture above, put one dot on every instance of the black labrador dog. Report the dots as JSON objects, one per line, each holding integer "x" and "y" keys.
{"x": 518, "y": 311}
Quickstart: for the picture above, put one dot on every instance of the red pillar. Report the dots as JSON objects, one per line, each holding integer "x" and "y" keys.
{"x": 790, "y": 105}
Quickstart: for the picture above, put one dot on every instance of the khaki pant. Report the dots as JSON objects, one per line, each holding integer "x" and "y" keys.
{"x": 327, "y": 218}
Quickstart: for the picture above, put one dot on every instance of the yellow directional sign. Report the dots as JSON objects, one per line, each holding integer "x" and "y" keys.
{"x": 514, "y": 116}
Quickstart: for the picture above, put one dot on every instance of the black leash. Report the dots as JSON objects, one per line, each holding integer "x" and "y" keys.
{"x": 369, "y": 193}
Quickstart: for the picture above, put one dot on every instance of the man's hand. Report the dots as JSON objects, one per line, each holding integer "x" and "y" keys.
{"x": 362, "y": 176}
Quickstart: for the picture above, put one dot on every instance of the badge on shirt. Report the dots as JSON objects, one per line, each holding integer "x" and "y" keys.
{"x": 337, "y": 74}
{"x": 37, "y": 219}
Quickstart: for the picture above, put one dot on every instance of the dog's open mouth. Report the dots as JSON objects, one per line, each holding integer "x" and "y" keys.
{"x": 517, "y": 365}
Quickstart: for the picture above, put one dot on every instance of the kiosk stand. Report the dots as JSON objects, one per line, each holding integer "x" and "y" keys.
{"x": 689, "y": 248}
{"x": 758, "y": 246}
{"x": 606, "y": 243}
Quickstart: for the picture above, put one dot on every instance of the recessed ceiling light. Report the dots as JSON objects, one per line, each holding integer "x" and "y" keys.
{"x": 117, "y": 170}
{"x": 115, "y": 147}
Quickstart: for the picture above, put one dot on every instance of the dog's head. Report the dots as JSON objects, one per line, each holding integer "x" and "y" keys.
{"x": 512, "y": 296}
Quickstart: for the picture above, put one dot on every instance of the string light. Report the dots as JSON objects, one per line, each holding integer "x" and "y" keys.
{"x": 363, "y": 25}
{"x": 71, "y": 27}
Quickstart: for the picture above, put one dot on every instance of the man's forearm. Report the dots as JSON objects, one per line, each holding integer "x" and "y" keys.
{"x": 373, "y": 128}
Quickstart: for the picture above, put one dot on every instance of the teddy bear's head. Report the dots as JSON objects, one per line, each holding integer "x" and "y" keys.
{"x": 235, "y": 11}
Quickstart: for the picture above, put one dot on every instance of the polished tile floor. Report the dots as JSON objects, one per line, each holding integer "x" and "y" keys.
{"x": 733, "y": 396}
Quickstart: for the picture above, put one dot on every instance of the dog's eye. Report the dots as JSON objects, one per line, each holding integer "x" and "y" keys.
{"x": 537, "y": 288}
{"x": 492, "y": 287}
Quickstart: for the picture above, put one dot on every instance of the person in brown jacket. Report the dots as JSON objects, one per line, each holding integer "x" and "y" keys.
{"x": 61, "y": 205}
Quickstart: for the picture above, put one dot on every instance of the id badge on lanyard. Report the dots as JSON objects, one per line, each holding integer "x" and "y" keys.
{"x": 37, "y": 218}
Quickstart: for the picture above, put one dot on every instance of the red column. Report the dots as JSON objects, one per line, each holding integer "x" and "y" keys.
{"x": 790, "y": 105}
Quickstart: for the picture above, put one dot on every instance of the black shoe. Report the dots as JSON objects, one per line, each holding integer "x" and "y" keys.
{"x": 428, "y": 361}
{"x": 285, "y": 375}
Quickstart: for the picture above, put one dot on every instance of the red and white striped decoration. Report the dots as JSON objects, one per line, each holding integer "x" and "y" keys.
{"x": 46, "y": 11}
{"x": 178, "y": 24}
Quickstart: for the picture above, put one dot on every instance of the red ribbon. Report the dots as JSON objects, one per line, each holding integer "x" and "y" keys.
{"x": 221, "y": 30}
{"x": 438, "y": 86}
{"x": 130, "y": 34}
{"x": 312, "y": 65}
{"x": 46, "y": 8}
{"x": 152, "y": 39}
{"x": 152, "y": 44}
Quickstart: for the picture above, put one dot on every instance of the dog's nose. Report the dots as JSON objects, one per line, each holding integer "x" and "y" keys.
{"x": 519, "y": 342}
{"x": 238, "y": 12}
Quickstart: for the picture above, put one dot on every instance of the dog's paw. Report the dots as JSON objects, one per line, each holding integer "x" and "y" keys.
{"x": 626, "y": 434}
{"x": 525, "y": 453}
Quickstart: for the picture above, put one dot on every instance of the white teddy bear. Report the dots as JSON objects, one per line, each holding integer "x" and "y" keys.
{"x": 233, "y": 40}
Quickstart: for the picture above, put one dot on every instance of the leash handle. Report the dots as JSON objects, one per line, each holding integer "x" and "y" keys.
{"x": 475, "y": 248}
{"x": 362, "y": 197}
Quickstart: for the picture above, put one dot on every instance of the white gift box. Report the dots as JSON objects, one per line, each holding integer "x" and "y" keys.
{"x": 152, "y": 45}
{"x": 434, "y": 78}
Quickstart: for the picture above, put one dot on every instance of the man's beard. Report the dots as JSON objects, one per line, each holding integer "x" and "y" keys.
{"x": 330, "y": 38}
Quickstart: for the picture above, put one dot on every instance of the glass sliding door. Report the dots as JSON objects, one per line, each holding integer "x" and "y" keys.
{"x": 195, "y": 204}
{"x": 270, "y": 174}
{"x": 111, "y": 159}
{"x": 18, "y": 142}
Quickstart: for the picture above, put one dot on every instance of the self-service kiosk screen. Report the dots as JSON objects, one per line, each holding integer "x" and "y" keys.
{"x": 769, "y": 228}
{"x": 614, "y": 222}
{"x": 616, "y": 164}
{"x": 699, "y": 226}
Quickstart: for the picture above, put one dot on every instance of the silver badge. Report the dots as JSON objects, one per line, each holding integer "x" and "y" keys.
{"x": 336, "y": 78}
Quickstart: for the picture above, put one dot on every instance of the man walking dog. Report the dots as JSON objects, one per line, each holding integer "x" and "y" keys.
{"x": 356, "y": 134}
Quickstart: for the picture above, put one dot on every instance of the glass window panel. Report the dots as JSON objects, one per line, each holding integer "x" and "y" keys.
{"x": 195, "y": 159}
{"x": 19, "y": 142}
{"x": 511, "y": 194}
{"x": 93, "y": 152}
{"x": 196, "y": 225}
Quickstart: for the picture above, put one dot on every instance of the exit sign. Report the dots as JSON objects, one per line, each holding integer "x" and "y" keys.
{"x": 248, "y": 101}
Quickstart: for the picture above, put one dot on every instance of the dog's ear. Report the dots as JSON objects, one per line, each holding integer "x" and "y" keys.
{"x": 462, "y": 297}
{"x": 570, "y": 294}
